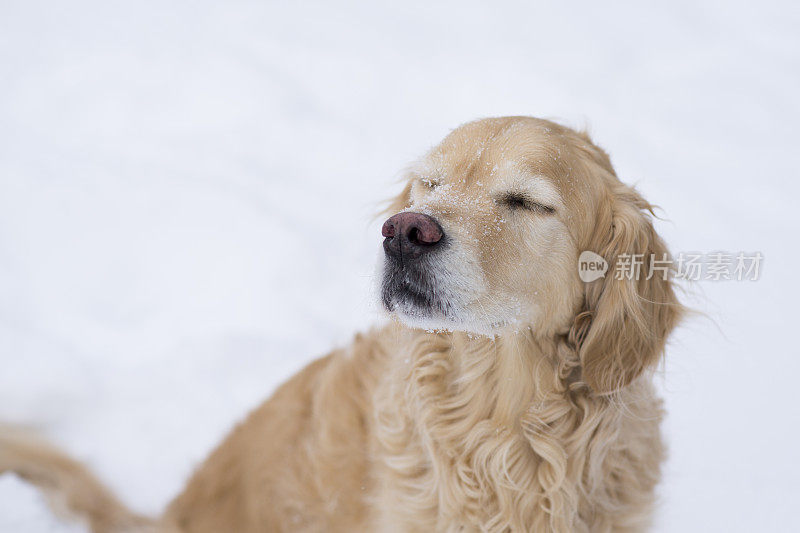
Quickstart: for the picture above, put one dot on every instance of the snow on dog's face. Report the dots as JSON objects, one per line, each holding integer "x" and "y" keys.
{"x": 488, "y": 232}
{"x": 483, "y": 238}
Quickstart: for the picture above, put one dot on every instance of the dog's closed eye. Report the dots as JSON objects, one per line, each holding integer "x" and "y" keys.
{"x": 429, "y": 182}
{"x": 519, "y": 201}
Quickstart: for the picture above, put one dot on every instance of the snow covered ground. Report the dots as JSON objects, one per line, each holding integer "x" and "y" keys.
{"x": 186, "y": 192}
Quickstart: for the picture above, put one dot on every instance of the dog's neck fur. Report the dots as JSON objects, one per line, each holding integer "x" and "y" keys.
{"x": 455, "y": 410}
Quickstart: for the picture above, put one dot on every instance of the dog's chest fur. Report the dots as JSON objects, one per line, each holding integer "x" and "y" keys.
{"x": 475, "y": 434}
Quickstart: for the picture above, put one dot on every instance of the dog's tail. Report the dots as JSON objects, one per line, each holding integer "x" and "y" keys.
{"x": 69, "y": 486}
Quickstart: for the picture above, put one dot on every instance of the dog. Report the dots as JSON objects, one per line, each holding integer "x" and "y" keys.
{"x": 507, "y": 394}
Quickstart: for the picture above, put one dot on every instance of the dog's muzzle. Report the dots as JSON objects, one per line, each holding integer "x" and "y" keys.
{"x": 410, "y": 242}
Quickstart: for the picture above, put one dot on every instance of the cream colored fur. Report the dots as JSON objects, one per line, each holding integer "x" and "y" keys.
{"x": 543, "y": 420}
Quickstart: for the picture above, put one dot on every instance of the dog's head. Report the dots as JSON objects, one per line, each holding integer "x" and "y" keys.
{"x": 487, "y": 233}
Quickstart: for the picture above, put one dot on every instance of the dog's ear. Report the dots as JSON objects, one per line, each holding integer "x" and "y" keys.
{"x": 629, "y": 313}
{"x": 399, "y": 202}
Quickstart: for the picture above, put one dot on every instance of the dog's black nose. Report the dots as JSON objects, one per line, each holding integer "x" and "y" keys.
{"x": 409, "y": 235}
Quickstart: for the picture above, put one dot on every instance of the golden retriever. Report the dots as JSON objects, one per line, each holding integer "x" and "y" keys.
{"x": 507, "y": 394}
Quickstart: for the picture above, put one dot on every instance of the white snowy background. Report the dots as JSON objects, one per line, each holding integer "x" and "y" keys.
{"x": 186, "y": 193}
